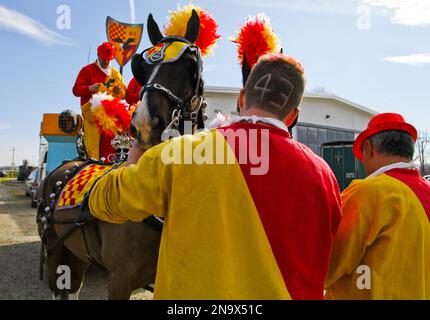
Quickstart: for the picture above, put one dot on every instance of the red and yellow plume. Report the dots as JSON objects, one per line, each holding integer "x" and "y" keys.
{"x": 256, "y": 38}
{"x": 111, "y": 116}
{"x": 177, "y": 26}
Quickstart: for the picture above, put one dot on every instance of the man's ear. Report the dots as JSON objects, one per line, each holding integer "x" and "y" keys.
{"x": 368, "y": 148}
{"x": 292, "y": 116}
{"x": 241, "y": 100}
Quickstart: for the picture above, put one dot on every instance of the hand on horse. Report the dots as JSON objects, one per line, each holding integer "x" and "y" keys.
{"x": 134, "y": 154}
{"x": 94, "y": 88}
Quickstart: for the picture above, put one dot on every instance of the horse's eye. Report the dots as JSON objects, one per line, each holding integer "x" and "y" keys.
{"x": 155, "y": 121}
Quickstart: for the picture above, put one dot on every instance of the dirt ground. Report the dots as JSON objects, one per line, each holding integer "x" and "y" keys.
{"x": 19, "y": 252}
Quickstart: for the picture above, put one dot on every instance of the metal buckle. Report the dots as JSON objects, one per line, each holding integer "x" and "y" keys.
{"x": 176, "y": 117}
{"x": 193, "y": 116}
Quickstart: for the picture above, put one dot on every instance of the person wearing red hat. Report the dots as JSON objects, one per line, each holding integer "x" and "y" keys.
{"x": 97, "y": 77}
{"x": 382, "y": 247}
{"x": 133, "y": 91}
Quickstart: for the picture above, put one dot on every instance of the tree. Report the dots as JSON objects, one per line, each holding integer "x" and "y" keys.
{"x": 319, "y": 90}
{"x": 423, "y": 142}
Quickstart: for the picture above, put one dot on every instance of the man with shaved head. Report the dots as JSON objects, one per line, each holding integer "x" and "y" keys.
{"x": 234, "y": 229}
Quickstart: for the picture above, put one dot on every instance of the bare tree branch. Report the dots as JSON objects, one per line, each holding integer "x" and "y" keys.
{"x": 423, "y": 143}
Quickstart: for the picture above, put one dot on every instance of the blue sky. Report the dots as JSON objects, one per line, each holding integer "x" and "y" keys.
{"x": 373, "y": 52}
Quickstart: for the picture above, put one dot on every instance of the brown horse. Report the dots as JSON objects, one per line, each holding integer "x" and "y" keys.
{"x": 171, "y": 94}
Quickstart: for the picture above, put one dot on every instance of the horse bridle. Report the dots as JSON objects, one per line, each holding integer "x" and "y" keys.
{"x": 184, "y": 110}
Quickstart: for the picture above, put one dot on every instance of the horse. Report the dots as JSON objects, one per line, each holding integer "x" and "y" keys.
{"x": 171, "y": 94}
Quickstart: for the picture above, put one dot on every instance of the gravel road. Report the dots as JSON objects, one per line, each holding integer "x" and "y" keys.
{"x": 19, "y": 252}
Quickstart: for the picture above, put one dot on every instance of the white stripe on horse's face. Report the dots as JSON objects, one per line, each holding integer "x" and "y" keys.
{"x": 154, "y": 73}
{"x": 142, "y": 118}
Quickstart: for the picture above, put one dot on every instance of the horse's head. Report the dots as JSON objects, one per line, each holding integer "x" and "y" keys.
{"x": 172, "y": 88}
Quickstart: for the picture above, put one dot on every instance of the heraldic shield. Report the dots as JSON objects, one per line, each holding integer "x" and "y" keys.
{"x": 125, "y": 37}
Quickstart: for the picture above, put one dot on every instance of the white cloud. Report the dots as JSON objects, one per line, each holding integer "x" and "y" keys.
{"x": 15, "y": 21}
{"x": 412, "y": 59}
{"x": 406, "y": 12}
{"x": 5, "y": 126}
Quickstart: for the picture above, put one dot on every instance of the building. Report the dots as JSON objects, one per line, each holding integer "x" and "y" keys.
{"x": 323, "y": 118}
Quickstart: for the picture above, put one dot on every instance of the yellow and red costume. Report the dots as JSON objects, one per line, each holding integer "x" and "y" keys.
{"x": 96, "y": 145}
{"x": 386, "y": 227}
{"x": 229, "y": 234}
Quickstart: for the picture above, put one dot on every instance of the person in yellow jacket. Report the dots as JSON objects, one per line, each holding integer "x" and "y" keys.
{"x": 382, "y": 247}
{"x": 96, "y": 77}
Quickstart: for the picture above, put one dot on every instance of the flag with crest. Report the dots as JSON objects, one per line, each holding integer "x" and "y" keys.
{"x": 125, "y": 37}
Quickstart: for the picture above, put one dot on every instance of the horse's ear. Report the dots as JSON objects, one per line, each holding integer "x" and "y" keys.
{"x": 193, "y": 27}
{"x": 154, "y": 32}
{"x": 246, "y": 70}
{"x": 137, "y": 68}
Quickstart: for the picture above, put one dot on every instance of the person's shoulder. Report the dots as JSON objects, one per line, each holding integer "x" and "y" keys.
{"x": 115, "y": 71}
{"x": 307, "y": 155}
{"x": 88, "y": 67}
{"x": 304, "y": 149}
{"x": 198, "y": 137}
{"x": 180, "y": 140}
{"x": 371, "y": 187}
{"x": 134, "y": 82}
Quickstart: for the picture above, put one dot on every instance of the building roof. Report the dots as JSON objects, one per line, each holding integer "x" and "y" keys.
{"x": 327, "y": 96}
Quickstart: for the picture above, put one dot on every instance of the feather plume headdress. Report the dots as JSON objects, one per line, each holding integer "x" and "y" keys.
{"x": 177, "y": 26}
{"x": 254, "y": 39}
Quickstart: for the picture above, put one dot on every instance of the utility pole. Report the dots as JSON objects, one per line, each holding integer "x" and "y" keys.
{"x": 13, "y": 160}
{"x": 89, "y": 54}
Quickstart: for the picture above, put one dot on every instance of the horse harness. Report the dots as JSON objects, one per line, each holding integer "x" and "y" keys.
{"x": 191, "y": 109}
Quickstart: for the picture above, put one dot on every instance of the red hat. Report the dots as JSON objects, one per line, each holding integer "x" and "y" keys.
{"x": 106, "y": 51}
{"x": 383, "y": 122}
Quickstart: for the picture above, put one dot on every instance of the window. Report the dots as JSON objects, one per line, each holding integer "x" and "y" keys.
{"x": 302, "y": 134}
{"x": 322, "y": 136}
{"x": 314, "y": 137}
{"x": 331, "y": 135}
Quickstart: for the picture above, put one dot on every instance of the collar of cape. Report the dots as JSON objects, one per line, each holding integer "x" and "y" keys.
{"x": 225, "y": 120}
{"x": 397, "y": 165}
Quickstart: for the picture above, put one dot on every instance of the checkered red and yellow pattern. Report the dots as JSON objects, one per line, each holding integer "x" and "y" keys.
{"x": 75, "y": 190}
{"x": 117, "y": 31}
